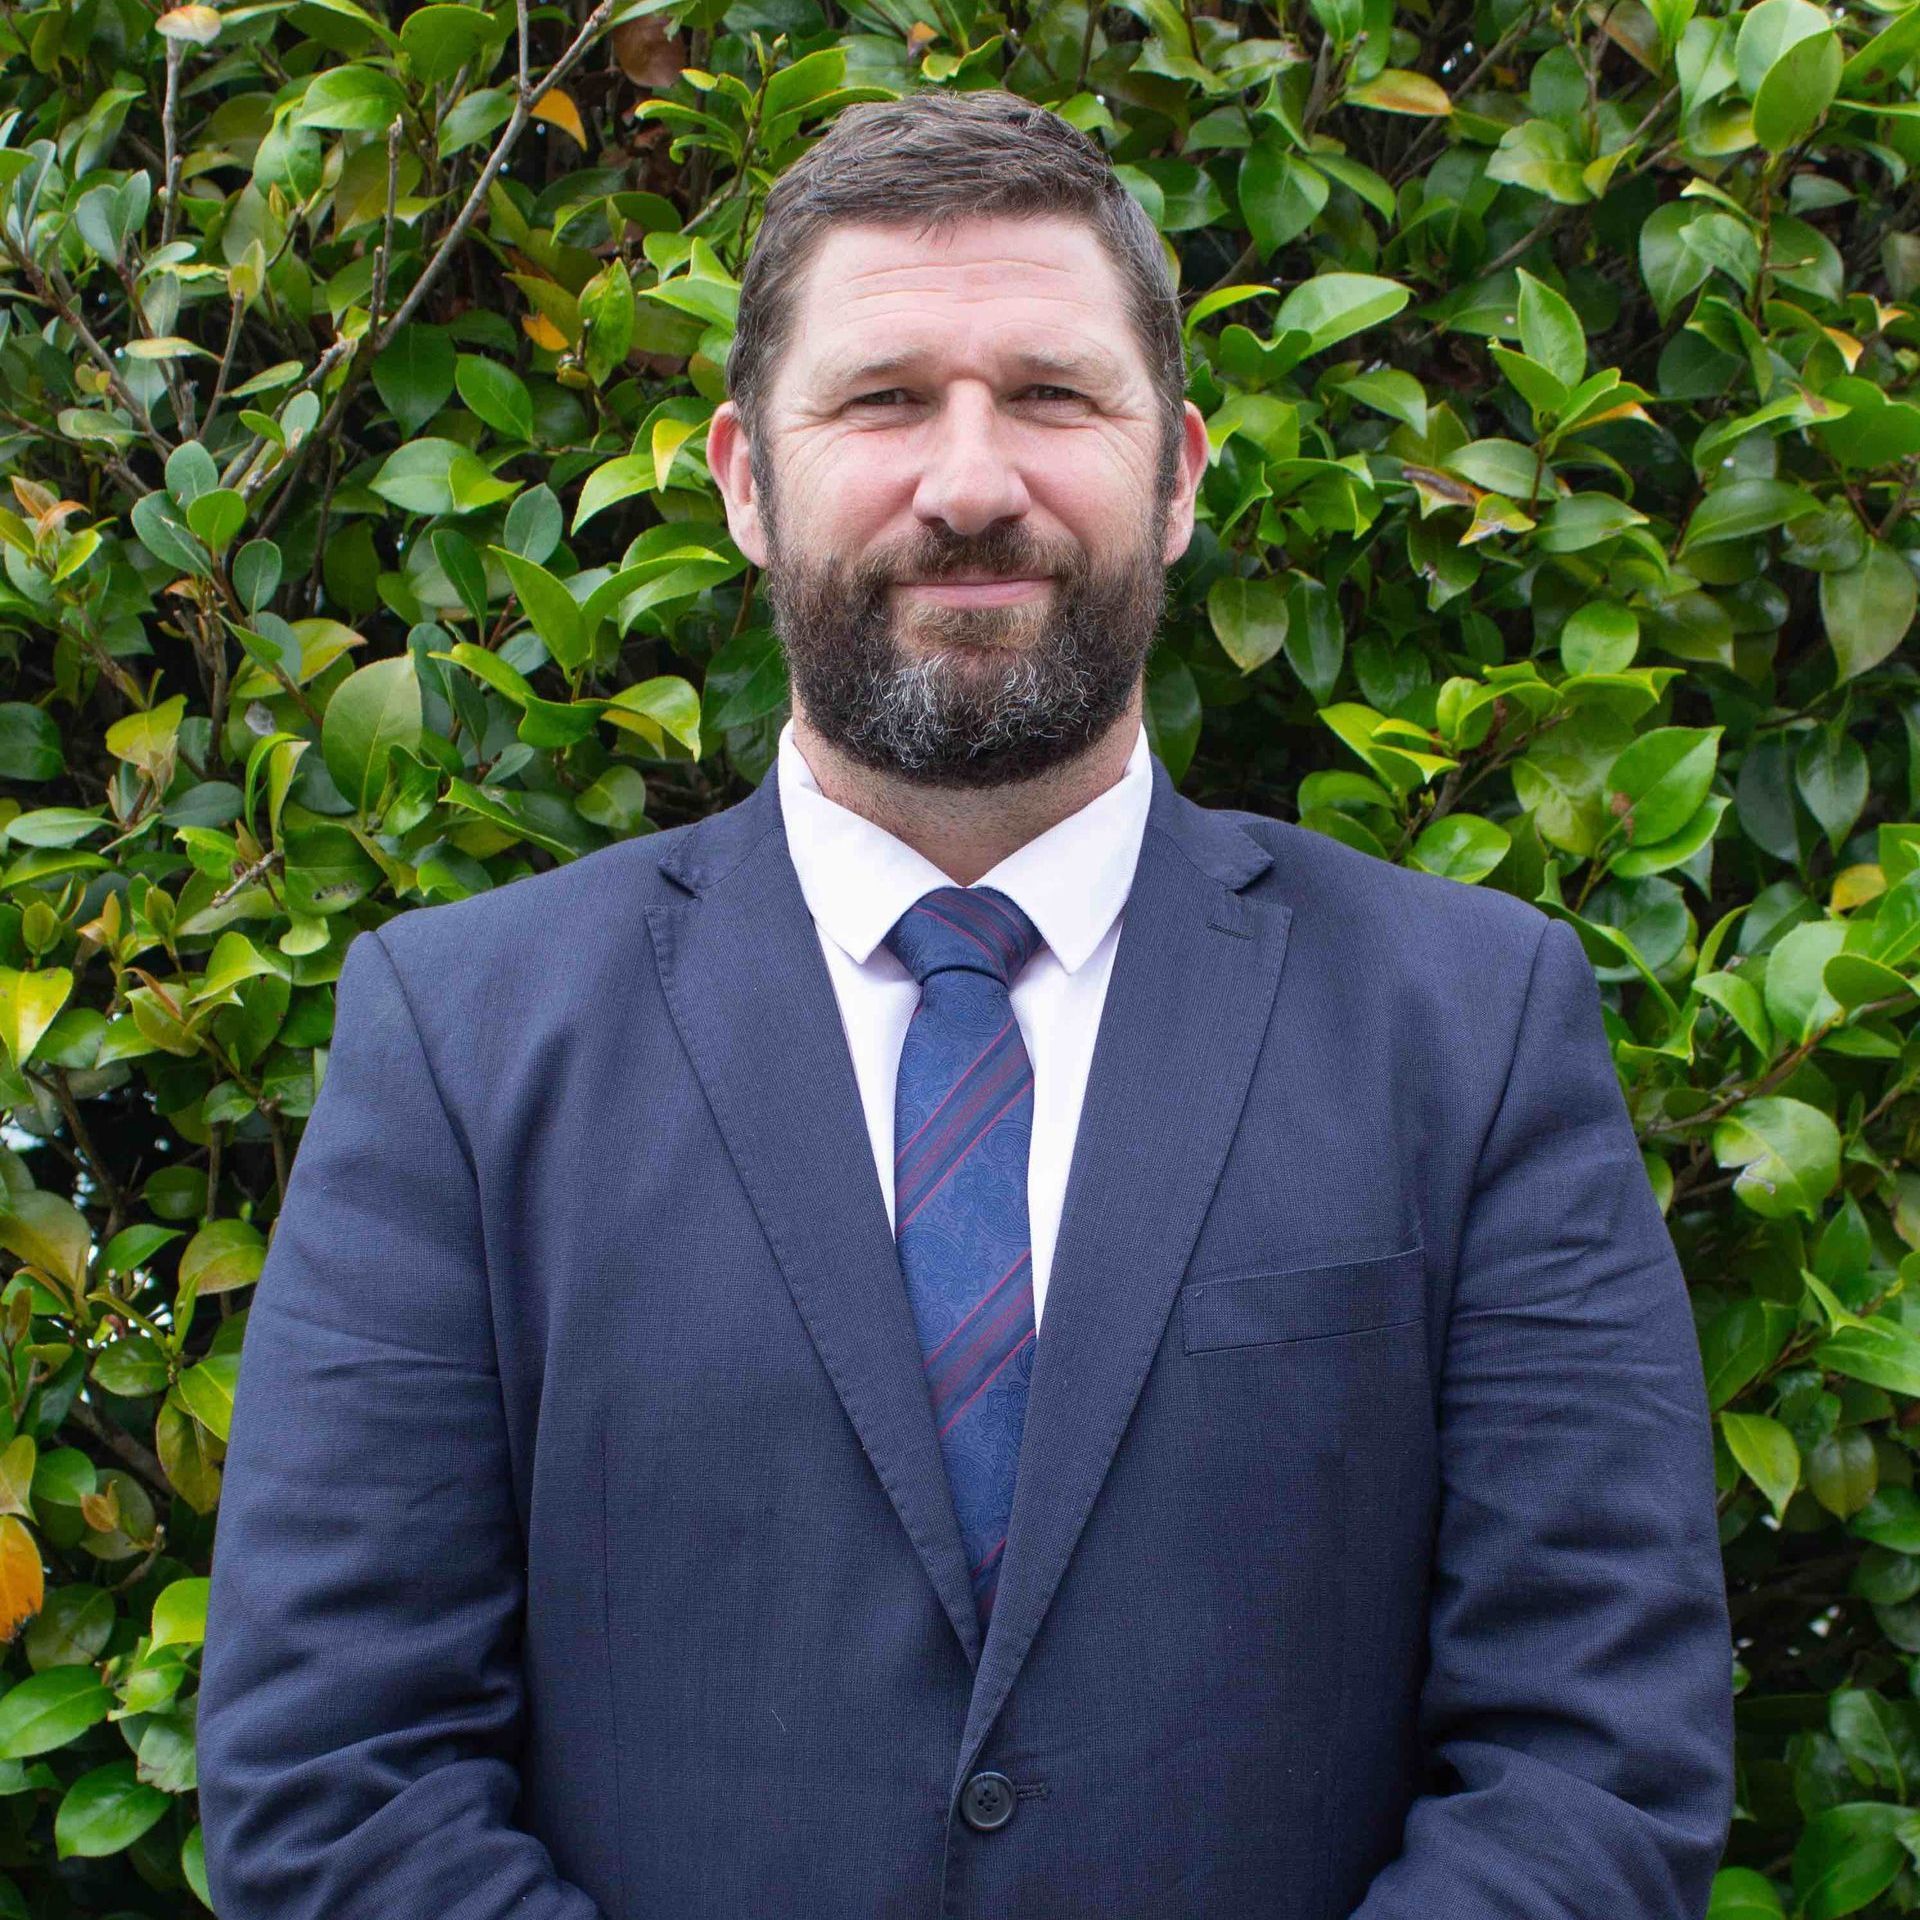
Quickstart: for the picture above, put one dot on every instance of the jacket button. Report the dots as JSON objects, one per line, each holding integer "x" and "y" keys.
{"x": 986, "y": 1802}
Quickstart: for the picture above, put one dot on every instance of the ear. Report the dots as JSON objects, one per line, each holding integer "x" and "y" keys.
{"x": 1195, "y": 452}
{"x": 728, "y": 461}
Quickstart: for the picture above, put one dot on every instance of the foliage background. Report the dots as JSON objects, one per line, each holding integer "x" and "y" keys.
{"x": 360, "y": 553}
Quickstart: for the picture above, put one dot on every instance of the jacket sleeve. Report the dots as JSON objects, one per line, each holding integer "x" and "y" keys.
{"x": 1577, "y": 1710}
{"x": 360, "y": 1698}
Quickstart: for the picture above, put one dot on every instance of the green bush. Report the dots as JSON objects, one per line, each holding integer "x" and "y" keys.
{"x": 360, "y": 554}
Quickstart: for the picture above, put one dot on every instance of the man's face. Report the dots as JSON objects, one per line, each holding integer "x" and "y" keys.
{"x": 956, "y": 512}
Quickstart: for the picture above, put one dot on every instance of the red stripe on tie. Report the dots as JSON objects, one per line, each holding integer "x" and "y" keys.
{"x": 966, "y": 933}
{"x": 950, "y": 1092}
{"x": 960, "y": 1158}
{"x": 936, "y": 1150}
{"x": 959, "y": 1370}
{"x": 988, "y": 1381}
{"x": 977, "y": 1305}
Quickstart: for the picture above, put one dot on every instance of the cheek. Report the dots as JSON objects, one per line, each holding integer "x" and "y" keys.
{"x": 850, "y": 487}
{"x": 1093, "y": 483}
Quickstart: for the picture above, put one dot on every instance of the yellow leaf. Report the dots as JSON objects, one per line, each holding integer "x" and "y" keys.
{"x": 16, "y": 1475}
{"x": 1627, "y": 410}
{"x": 28, "y": 1003}
{"x": 1495, "y": 513}
{"x": 1855, "y": 886}
{"x": 1850, "y": 348}
{"x": 542, "y": 332}
{"x": 146, "y": 738}
{"x": 22, "y": 1579}
{"x": 669, "y": 436}
{"x": 1398, "y": 90}
{"x": 48, "y": 1233}
{"x": 197, "y": 23}
{"x": 557, "y": 108}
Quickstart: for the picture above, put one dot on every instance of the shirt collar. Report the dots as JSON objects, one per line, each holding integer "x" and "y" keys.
{"x": 1071, "y": 881}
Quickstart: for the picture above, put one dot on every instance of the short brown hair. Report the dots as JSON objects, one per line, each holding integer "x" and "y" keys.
{"x": 931, "y": 160}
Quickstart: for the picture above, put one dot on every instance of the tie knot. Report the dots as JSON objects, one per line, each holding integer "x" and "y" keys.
{"x": 978, "y": 928}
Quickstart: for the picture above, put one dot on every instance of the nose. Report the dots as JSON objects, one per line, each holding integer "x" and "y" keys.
{"x": 970, "y": 476}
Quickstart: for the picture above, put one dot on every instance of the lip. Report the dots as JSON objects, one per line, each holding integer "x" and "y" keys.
{"x": 976, "y": 593}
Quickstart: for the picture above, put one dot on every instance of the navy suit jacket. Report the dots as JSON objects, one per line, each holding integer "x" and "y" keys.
{"x": 586, "y": 1551}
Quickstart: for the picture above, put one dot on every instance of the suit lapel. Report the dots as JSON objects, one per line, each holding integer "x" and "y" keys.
{"x": 749, "y": 990}
{"x": 1187, "y": 1004}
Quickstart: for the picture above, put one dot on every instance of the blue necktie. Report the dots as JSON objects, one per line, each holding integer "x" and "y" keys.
{"x": 963, "y": 1121}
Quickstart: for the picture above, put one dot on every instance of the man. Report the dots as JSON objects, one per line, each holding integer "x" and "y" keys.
{"x": 1245, "y": 1453}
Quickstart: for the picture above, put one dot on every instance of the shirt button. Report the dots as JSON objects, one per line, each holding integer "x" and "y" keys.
{"x": 986, "y": 1802}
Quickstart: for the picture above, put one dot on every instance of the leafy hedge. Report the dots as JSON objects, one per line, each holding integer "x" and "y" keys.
{"x": 1560, "y": 537}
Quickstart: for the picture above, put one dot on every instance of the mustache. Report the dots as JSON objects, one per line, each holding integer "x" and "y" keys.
{"x": 941, "y": 555}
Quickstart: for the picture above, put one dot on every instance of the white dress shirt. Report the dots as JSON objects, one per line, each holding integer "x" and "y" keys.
{"x": 1072, "y": 881}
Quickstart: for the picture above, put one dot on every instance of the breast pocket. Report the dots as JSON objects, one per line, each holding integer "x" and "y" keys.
{"x": 1304, "y": 1303}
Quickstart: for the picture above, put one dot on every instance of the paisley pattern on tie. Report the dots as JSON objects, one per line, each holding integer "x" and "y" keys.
{"x": 963, "y": 1126}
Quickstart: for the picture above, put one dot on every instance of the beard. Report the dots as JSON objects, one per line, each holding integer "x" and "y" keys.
{"x": 966, "y": 696}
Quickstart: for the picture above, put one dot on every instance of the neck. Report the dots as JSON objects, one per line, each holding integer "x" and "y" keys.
{"x": 968, "y": 831}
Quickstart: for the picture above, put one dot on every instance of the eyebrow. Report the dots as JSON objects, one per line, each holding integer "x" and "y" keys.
{"x": 1090, "y": 367}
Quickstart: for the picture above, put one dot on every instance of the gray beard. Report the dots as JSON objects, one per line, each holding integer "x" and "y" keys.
{"x": 969, "y": 702}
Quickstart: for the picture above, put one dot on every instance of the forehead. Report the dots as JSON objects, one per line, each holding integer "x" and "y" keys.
{"x": 1040, "y": 295}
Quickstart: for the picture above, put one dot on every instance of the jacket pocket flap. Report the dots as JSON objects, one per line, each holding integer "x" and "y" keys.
{"x": 1303, "y": 1303}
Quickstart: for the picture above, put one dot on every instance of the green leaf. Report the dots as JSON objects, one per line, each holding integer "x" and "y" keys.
{"x": 1741, "y": 1893}
{"x": 418, "y": 476}
{"x": 1281, "y": 194}
{"x": 373, "y": 711}
{"x": 439, "y": 40}
{"x": 165, "y": 534}
{"x": 495, "y": 393}
{"x": 1798, "y": 89}
{"x": 180, "y": 1613}
{"x": 1742, "y": 508}
{"x": 617, "y": 480}
{"x": 1877, "y": 1351}
{"x": 1461, "y": 846}
{"x": 1798, "y": 1003}
{"x": 1658, "y": 784}
{"x": 1868, "y": 609}
{"x": 216, "y": 517}
{"x": 1550, "y": 330}
{"x": 1788, "y": 1154}
{"x": 1848, "y": 1855}
{"x": 206, "y": 1391}
{"x": 463, "y": 568}
{"x": 350, "y": 99}
{"x": 1398, "y": 395}
{"x": 256, "y": 573}
{"x": 106, "y": 1811}
{"x": 48, "y": 1710}
{"x": 607, "y": 315}
{"x": 1766, "y": 1453}
{"x": 1334, "y": 306}
{"x": 1600, "y": 637}
{"x": 1249, "y": 619}
{"x": 553, "y": 610}
{"x": 414, "y": 376}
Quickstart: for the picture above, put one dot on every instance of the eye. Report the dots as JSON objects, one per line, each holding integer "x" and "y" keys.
{"x": 1057, "y": 393}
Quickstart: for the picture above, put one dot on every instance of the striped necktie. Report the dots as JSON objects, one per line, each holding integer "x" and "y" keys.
{"x": 963, "y": 1120}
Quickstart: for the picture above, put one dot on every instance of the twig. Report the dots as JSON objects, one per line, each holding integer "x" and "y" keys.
{"x": 523, "y": 106}
{"x": 172, "y": 176}
{"x": 385, "y": 255}
{"x": 226, "y": 368}
{"x": 118, "y": 1441}
{"x": 1086, "y": 48}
